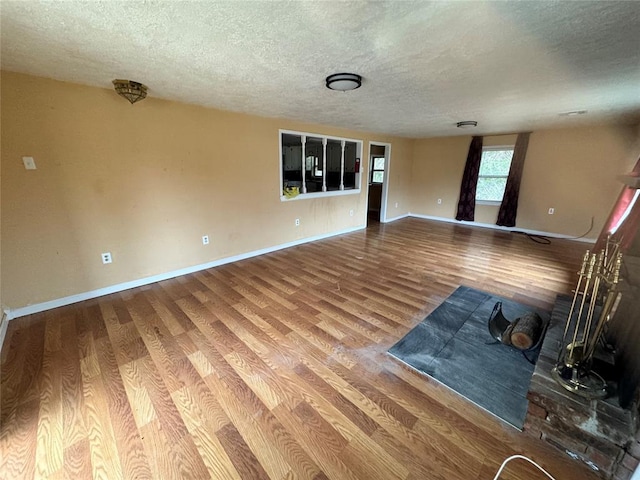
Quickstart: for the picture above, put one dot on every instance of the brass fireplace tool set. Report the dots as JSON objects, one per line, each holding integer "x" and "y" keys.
{"x": 594, "y": 303}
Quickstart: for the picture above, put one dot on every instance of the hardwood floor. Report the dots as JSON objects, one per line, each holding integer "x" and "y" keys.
{"x": 274, "y": 367}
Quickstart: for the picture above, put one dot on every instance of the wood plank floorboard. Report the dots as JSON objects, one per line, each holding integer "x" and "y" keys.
{"x": 274, "y": 367}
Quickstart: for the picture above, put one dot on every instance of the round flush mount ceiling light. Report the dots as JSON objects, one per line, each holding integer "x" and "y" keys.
{"x": 467, "y": 124}
{"x": 344, "y": 82}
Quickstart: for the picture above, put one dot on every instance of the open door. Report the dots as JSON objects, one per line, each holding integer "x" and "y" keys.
{"x": 379, "y": 157}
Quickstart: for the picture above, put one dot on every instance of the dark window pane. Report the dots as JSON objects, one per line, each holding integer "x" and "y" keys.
{"x": 291, "y": 160}
{"x": 334, "y": 157}
{"x": 350, "y": 150}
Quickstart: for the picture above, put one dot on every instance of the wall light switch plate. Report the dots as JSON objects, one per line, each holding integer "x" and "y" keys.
{"x": 106, "y": 257}
{"x": 552, "y": 211}
{"x": 396, "y": 204}
{"x": 29, "y": 163}
{"x": 439, "y": 201}
{"x": 351, "y": 213}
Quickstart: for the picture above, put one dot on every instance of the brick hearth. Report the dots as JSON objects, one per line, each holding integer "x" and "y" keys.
{"x": 598, "y": 433}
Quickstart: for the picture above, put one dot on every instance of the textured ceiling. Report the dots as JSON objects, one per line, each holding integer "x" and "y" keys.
{"x": 510, "y": 65}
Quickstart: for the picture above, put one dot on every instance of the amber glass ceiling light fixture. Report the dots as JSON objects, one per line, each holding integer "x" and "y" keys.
{"x": 344, "y": 82}
{"x": 132, "y": 91}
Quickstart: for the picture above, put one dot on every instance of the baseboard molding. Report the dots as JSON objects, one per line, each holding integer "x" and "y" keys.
{"x": 505, "y": 229}
{"x": 4, "y": 323}
{"x": 61, "y": 302}
{"x": 389, "y": 220}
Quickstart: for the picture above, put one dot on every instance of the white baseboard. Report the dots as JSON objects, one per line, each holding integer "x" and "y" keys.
{"x": 506, "y": 229}
{"x": 4, "y": 323}
{"x": 389, "y": 220}
{"x": 60, "y": 302}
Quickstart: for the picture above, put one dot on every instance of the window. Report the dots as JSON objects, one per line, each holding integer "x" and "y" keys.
{"x": 494, "y": 170}
{"x": 318, "y": 165}
{"x": 377, "y": 172}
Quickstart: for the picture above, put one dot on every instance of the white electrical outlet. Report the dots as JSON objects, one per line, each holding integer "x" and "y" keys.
{"x": 552, "y": 211}
{"x": 106, "y": 257}
{"x": 439, "y": 201}
{"x": 297, "y": 222}
{"x": 205, "y": 239}
{"x": 29, "y": 163}
{"x": 351, "y": 213}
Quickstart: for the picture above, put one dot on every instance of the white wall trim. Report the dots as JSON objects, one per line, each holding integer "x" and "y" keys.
{"x": 506, "y": 229}
{"x": 60, "y": 302}
{"x": 4, "y": 323}
{"x": 399, "y": 217}
{"x": 385, "y": 183}
{"x": 329, "y": 193}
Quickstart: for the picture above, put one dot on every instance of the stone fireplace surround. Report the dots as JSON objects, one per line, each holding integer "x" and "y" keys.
{"x": 598, "y": 432}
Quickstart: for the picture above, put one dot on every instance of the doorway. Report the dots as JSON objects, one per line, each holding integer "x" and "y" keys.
{"x": 379, "y": 159}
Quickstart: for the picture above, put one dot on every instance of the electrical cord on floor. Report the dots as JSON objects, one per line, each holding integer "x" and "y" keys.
{"x": 585, "y": 233}
{"x": 513, "y": 457}
{"x": 535, "y": 238}
{"x": 546, "y": 240}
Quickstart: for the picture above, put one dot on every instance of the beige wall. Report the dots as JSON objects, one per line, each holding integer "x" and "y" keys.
{"x": 145, "y": 182}
{"x": 572, "y": 170}
{"x": 399, "y": 177}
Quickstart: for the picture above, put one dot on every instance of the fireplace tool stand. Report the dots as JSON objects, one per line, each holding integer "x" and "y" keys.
{"x": 594, "y": 303}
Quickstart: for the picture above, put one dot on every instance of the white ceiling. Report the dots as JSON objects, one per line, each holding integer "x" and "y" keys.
{"x": 510, "y": 65}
